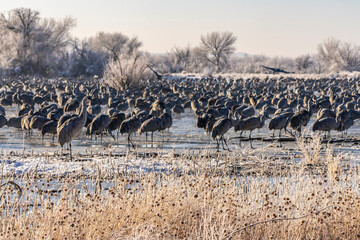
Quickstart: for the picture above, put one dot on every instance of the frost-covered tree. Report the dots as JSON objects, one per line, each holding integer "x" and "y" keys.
{"x": 33, "y": 43}
{"x": 116, "y": 45}
{"x": 84, "y": 61}
{"x": 126, "y": 73}
{"x": 338, "y": 56}
{"x": 182, "y": 57}
{"x": 303, "y": 63}
{"x": 216, "y": 47}
{"x": 127, "y": 65}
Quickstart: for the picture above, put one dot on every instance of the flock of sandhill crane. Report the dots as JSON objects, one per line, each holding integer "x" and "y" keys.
{"x": 63, "y": 107}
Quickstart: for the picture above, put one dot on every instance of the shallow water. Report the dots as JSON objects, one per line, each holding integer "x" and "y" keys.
{"x": 182, "y": 137}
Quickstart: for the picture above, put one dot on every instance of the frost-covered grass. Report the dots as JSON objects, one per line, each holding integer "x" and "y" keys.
{"x": 188, "y": 197}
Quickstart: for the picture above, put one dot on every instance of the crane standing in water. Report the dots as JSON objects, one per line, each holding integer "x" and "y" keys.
{"x": 72, "y": 127}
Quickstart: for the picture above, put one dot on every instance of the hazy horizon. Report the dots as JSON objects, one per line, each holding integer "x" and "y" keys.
{"x": 272, "y": 28}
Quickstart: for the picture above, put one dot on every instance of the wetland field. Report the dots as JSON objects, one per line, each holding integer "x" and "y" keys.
{"x": 182, "y": 185}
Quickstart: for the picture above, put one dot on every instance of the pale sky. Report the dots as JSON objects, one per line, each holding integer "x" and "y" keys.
{"x": 270, "y": 27}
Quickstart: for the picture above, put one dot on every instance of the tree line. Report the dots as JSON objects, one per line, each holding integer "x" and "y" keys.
{"x": 36, "y": 46}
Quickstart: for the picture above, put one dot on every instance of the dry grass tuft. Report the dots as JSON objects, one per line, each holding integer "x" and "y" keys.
{"x": 199, "y": 201}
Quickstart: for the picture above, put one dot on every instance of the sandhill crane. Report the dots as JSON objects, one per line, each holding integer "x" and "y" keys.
{"x": 3, "y": 121}
{"x": 129, "y": 126}
{"x": 25, "y": 122}
{"x": 202, "y": 120}
{"x": 210, "y": 124}
{"x": 301, "y": 118}
{"x": 63, "y": 119}
{"x": 345, "y": 125}
{"x": 2, "y": 111}
{"x": 115, "y": 122}
{"x": 354, "y": 114}
{"x": 279, "y": 122}
{"x": 54, "y": 115}
{"x": 221, "y": 127}
{"x": 37, "y": 122}
{"x": 94, "y": 109}
{"x": 151, "y": 125}
{"x": 324, "y": 113}
{"x": 49, "y": 127}
{"x": 166, "y": 120}
{"x": 98, "y": 125}
{"x": 178, "y": 109}
{"x": 72, "y": 127}
{"x": 250, "y": 124}
{"x": 326, "y": 124}
{"x": 15, "y": 122}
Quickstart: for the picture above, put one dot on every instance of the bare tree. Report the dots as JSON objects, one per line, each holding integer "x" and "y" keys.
{"x": 33, "y": 43}
{"x": 350, "y": 56}
{"x": 182, "y": 57}
{"x": 338, "y": 55}
{"x": 303, "y": 63}
{"x": 82, "y": 60}
{"x": 216, "y": 48}
{"x": 116, "y": 45}
{"x": 129, "y": 72}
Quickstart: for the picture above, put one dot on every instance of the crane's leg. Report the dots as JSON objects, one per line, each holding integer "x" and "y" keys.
{"x": 128, "y": 140}
{"x": 111, "y": 134}
{"x": 53, "y": 138}
{"x": 222, "y": 141}
{"x": 279, "y": 138}
{"x": 226, "y": 143}
{"x": 217, "y": 144}
{"x": 274, "y": 135}
{"x": 70, "y": 152}
{"x": 250, "y": 140}
{"x": 152, "y": 139}
{"x": 146, "y": 137}
{"x": 131, "y": 141}
{"x": 240, "y": 138}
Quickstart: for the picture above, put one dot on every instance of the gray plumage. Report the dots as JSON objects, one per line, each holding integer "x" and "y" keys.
{"x": 37, "y": 122}
{"x": 116, "y": 120}
{"x": 221, "y": 127}
{"x": 301, "y": 118}
{"x": 354, "y": 114}
{"x": 15, "y": 122}
{"x": 326, "y": 124}
{"x": 166, "y": 120}
{"x": 25, "y": 121}
{"x": 250, "y": 124}
{"x": 129, "y": 126}
{"x": 324, "y": 113}
{"x": 278, "y": 122}
{"x": 151, "y": 125}
{"x": 3, "y": 121}
{"x": 94, "y": 109}
{"x": 98, "y": 125}
{"x": 2, "y": 111}
{"x": 72, "y": 127}
{"x": 178, "y": 109}
{"x": 49, "y": 127}
{"x": 63, "y": 119}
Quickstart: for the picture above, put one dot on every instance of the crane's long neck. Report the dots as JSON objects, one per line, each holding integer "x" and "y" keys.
{"x": 83, "y": 113}
{"x": 310, "y": 108}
